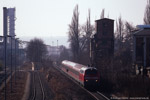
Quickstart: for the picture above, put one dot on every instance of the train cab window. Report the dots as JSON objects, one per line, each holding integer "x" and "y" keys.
{"x": 81, "y": 71}
{"x": 91, "y": 72}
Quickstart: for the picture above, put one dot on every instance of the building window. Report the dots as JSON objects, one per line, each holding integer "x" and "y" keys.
{"x": 104, "y": 32}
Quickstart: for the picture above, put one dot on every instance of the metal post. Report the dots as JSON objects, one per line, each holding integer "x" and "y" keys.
{"x": 15, "y": 61}
{"x": 19, "y": 57}
{"x": 5, "y": 42}
{"x": 11, "y": 65}
{"x": 5, "y": 50}
{"x": 134, "y": 49}
{"x": 144, "y": 52}
{"x": 91, "y": 53}
{"x": 57, "y": 50}
{"x": 19, "y": 54}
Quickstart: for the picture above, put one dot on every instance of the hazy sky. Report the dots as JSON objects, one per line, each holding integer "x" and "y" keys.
{"x": 52, "y": 17}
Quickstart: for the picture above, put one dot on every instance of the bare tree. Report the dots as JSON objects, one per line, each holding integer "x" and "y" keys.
{"x": 103, "y": 14}
{"x": 128, "y": 40}
{"x": 36, "y": 50}
{"x": 147, "y": 14}
{"x": 74, "y": 34}
{"x": 119, "y": 31}
{"x": 79, "y": 37}
{"x": 123, "y": 57}
{"x": 88, "y": 30}
{"x": 64, "y": 54}
{"x": 128, "y": 30}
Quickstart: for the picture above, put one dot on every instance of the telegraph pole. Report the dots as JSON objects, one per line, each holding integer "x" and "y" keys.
{"x": 11, "y": 37}
{"x": 5, "y": 43}
{"x": 57, "y": 50}
{"x": 11, "y": 62}
{"x": 11, "y": 65}
{"x": 15, "y": 59}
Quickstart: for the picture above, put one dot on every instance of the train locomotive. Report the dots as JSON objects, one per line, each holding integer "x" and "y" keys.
{"x": 84, "y": 75}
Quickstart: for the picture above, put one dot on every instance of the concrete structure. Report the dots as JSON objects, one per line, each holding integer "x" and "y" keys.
{"x": 11, "y": 25}
{"x": 141, "y": 51}
{"x": 102, "y": 43}
{"x": 9, "y": 20}
{"x": 53, "y": 50}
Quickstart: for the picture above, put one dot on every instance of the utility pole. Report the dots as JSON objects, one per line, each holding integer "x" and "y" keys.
{"x": 57, "y": 50}
{"x": 11, "y": 65}
{"x": 52, "y": 46}
{"x": 15, "y": 59}
{"x": 5, "y": 43}
{"x": 11, "y": 61}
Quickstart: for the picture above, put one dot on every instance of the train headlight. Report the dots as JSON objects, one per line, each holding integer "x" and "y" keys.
{"x": 86, "y": 80}
{"x": 96, "y": 80}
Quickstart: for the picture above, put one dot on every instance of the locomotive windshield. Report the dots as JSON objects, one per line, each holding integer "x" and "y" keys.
{"x": 91, "y": 72}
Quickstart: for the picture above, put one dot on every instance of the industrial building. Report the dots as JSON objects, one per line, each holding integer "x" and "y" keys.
{"x": 102, "y": 43}
{"x": 141, "y": 51}
{"x": 11, "y": 26}
{"x": 9, "y": 20}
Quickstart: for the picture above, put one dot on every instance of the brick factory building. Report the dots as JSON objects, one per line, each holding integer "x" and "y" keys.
{"x": 102, "y": 43}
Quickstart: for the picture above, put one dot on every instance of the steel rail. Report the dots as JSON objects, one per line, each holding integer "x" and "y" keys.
{"x": 92, "y": 94}
{"x": 42, "y": 88}
{"x": 34, "y": 88}
{"x": 103, "y": 95}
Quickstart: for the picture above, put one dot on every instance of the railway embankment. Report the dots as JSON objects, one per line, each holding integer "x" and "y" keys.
{"x": 65, "y": 89}
{"x": 17, "y": 87}
{"x": 27, "y": 87}
{"x": 20, "y": 85}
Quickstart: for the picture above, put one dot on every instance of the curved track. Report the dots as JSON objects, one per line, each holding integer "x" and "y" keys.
{"x": 96, "y": 95}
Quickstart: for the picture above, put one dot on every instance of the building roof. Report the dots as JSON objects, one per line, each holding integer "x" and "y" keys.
{"x": 143, "y": 32}
{"x": 104, "y": 19}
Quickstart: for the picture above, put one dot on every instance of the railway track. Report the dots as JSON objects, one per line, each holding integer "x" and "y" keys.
{"x": 38, "y": 92}
{"x": 96, "y": 94}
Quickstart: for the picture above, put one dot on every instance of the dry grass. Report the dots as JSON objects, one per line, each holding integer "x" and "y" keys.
{"x": 18, "y": 88}
{"x": 118, "y": 77}
{"x": 65, "y": 89}
{"x": 133, "y": 86}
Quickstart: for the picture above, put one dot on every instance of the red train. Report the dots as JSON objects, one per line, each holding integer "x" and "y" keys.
{"x": 86, "y": 76}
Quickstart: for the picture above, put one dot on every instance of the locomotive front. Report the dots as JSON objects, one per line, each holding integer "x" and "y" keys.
{"x": 91, "y": 77}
